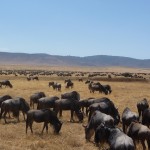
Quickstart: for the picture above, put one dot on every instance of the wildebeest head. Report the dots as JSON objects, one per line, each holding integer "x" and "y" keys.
{"x": 24, "y": 105}
{"x": 116, "y": 116}
{"x": 101, "y": 133}
{"x": 57, "y": 126}
{"x": 80, "y": 115}
{"x": 88, "y": 132}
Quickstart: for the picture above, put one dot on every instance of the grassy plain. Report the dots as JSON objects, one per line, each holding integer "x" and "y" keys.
{"x": 71, "y": 137}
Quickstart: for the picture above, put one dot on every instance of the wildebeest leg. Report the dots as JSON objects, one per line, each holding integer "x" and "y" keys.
{"x": 123, "y": 127}
{"x": 24, "y": 115}
{"x": 5, "y": 116}
{"x": 143, "y": 144}
{"x": 60, "y": 113}
{"x": 148, "y": 143}
{"x": 44, "y": 127}
{"x": 30, "y": 124}
{"x": 71, "y": 119}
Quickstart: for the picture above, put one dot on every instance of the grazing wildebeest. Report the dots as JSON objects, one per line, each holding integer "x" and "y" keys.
{"x": 83, "y": 103}
{"x": 116, "y": 139}
{"x": 28, "y": 79}
{"x": 35, "y": 78}
{"x": 87, "y": 81}
{"x": 6, "y": 83}
{"x": 69, "y": 84}
{"x": 3, "y": 98}
{"x": 80, "y": 80}
{"x": 51, "y": 83}
{"x": 139, "y": 132}
{"x": 105, "y": 106}
{"x": 47, "y": 102}
{"x": 74, "y": 95}
{"x": 57, "y": 86}
{"x": 141, "y": 106}
{"x": 67, "y": 80}
{"x": 108, "y": 88}
{"x": 14, "y": 105}
{"x": 43, "y": 115}
{"x": 96, "y": 119}
{"x": 146, "y": 117}
{"x": 67, "y": 104}
{"x": 97, "y": 87}
{"x": 127, "y": 117}
{"x": 34, "y": 98}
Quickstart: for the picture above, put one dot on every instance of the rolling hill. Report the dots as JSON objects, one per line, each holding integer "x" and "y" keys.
{"x": 7, "y": 58}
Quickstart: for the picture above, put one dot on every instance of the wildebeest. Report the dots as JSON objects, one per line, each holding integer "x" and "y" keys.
{"x": 141, "y": 106}
{"x": 139, "y": 132}
{"x": 80, "y": 80}
{"x": 116, "y": 139}
{"x": 96, "y": 119}
{"x": 67, "y": 80}
{"x": 57, "y": 86}
{"x": 146, "y": 117}
{"x": 106, "y": 106}
{"x": 74, "y": 95}
{"x": 6, "y": 83}
{"x": 69, "y": 84}
{"x": 127, "y": 117}
{"x": 67, "y": 104}
{"x": 3, "y": 98}
{"x": 97, "y": 87}
{"x": 43, "y": 115}
{"x": 51, "y": 83}
{"x": 14, "y": 105}
{"x": 47, "y": 102}
{"x": 108, "y": 88}
{"x": 34, "y": 98}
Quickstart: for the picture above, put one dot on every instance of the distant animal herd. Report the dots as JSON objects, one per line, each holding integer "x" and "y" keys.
{"x": 103, "y": 116}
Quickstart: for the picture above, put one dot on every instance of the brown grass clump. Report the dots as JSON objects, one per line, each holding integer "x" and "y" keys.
{"x": 71, "y": 137}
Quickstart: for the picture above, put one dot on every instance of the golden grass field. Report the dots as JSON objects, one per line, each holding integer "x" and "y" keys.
{"x": 71, "y": 137}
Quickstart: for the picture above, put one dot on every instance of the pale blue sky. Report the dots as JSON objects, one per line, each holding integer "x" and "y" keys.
{"x": 76, "y": 27}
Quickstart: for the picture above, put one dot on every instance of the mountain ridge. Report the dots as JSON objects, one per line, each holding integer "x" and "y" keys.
{"x": 58, "y": 60}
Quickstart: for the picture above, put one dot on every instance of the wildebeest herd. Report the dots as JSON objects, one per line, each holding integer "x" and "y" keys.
{"x": 104, "y": 120}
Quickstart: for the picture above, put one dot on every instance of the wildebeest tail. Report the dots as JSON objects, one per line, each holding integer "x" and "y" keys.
{"x": 2, "y": 109}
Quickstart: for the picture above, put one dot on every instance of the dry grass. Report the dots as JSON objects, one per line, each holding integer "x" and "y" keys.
{"x": 71, "y": 137}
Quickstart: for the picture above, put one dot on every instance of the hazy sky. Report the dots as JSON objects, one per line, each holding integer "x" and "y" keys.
{"x": 76, "y": 27}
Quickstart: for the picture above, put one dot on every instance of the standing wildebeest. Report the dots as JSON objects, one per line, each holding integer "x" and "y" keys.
{"x": 69, "y": 84}
{"x": 46, "y": 102}
{"x": 116, "y": 139}
{"x": 127, "y": 117}
{"x": 35, "y": 78}
{"x": 67, "y": 80}
{"x": 6, "y": 83}
{"x": 146, "y": 117}
{"x": 139, "y": 132}
{"x": 3, "y": 98}
{"x": 57, "y": 86}
{"x": 108, "y": 88}
{"x": 105, "y": 106}
{"x": 34, "y": 98}
{"x": 43, "y": 115}
{"x": 51, "y": 83}
{"x": 67, "y": 104}
{"x": 141, "y": 106}
{"x": 97, "y": 87}
{"x": 74, "y": 95}
{"x": 14, "y": 105}
{"x": 96, "y": 119}
{"x": 80, "y": 80}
